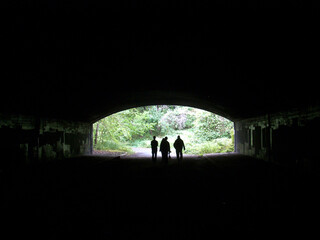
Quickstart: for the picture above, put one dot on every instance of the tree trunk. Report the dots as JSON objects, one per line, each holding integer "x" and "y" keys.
{"x": 96, "y": 135}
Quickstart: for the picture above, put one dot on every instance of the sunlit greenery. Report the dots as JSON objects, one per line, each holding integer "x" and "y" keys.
{"x": 202, "y": 131}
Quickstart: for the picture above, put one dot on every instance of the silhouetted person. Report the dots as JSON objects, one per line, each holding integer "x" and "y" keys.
{"x": 165, "y": 149}
{"x": 178, "y": 145}
{"x": 154, "y": 148}
{"x": 161, "y": 146}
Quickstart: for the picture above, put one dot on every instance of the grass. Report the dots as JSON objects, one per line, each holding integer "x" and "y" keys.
{"x": 219, "y": 145}
{"x": 113, "y": 146}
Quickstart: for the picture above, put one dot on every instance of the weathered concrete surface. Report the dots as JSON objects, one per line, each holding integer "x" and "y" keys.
{"x": 238, "y": 63}
{"x": 202, "y": 198}
{"x": 28, "y": 139}
{"x": 60, "y": 64}
{"x": 289, "y": 138}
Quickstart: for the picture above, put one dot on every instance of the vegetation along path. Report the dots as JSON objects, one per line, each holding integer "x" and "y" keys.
{"x": 202, "y": 132}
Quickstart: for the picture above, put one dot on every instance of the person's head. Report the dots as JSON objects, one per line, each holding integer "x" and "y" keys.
{"x": 166, "y": 138}
{"x": 178, "y": 137}
{"x": 154, "y": 137}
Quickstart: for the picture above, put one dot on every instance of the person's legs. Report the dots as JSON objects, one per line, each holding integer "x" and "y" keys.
{"x": 165, "y": 157}
{"x": 179, "y": 154}
{"x": 153, "y": 156}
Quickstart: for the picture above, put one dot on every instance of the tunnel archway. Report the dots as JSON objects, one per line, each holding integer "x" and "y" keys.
{"x": 56, "y": 55}
{"x": 131, "y": 130}
{"x": 127, "y": 100}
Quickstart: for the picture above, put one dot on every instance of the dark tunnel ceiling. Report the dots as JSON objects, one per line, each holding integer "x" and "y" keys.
{"x": 85, "y": 62}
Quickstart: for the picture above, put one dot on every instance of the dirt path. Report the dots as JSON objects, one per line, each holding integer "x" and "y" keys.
{"x": 138, "y": 153}
{"x": 107, "y": 153}
{"x": 141, "y": 152}
{"x": 146, "y": 153}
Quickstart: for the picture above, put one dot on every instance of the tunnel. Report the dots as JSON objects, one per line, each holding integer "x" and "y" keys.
{"x": 68, "y": 65}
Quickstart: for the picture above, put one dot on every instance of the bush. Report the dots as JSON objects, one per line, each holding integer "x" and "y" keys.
{"x": 110, "y": 145}
{"x": 232, "y": 136}
{"x": 202, "y": 131}
{"x": 144, "y": 143}
{"x": 210, "y": 126}
{"x": 178, "y": 119}
{"x": 219, "y": 145}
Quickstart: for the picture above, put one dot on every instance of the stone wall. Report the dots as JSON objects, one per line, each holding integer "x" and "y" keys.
{"x": 28, "y": 139}
{"x": 287, "y": 138}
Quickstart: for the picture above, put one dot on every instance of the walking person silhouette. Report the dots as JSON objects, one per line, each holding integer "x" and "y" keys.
{"x": 178, "y": 145}
{"x": 165, "y": 149}
{"x": 154, "y": 149}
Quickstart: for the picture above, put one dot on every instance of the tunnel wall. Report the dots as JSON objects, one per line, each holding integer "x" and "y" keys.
{"x": 28, "y": 139}
{"x": 287, "y": 138}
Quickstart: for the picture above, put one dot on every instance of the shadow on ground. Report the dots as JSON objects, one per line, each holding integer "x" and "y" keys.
{"x": 96, "y": 197}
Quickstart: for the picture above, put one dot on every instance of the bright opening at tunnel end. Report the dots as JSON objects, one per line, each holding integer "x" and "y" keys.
{"x": 202, "y": 132}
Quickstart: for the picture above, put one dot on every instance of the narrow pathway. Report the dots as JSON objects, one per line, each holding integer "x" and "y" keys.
{"x": 140, "y": 153}
{"x": 101, "y": 197}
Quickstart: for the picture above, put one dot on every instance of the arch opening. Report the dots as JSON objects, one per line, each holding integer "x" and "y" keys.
{"x": 134, "y": 99}
{"x": 131, "y": 130}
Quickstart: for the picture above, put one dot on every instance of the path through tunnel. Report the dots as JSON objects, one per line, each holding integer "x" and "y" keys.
{"x": 104, "y": 197}
{"x": 64, "y": 70}
{"x": 261, "y": 188}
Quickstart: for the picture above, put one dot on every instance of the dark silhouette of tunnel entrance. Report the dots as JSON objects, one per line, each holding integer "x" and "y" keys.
{"x": 66, "y": 65}
{"x": 265, "y": 186}
{"x": 126, "y": 100}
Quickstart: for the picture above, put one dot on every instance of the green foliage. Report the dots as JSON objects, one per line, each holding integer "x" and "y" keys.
{"x": 123, "y": 126}
{"x": 143, "y": 143}
{"x": 177, "y": 119}
{"x": 210, "y": 126}
{"x": 219, "y": 145}
{"x": 232, "y": 136}
{"x": 202, "y": 131}
{"x": 112, "y": 146}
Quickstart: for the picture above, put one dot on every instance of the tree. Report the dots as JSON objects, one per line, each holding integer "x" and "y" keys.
{"x": 141, "y": 123}
{"x": 177, "y": 119}
{"x": 210, "y": 126}
{"x": 122, "y": 126}
{"x": 96, "y": 133}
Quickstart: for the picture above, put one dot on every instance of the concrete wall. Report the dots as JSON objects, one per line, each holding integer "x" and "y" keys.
{"x": 286, "y": 138}
{"x": 28, "y": 139}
